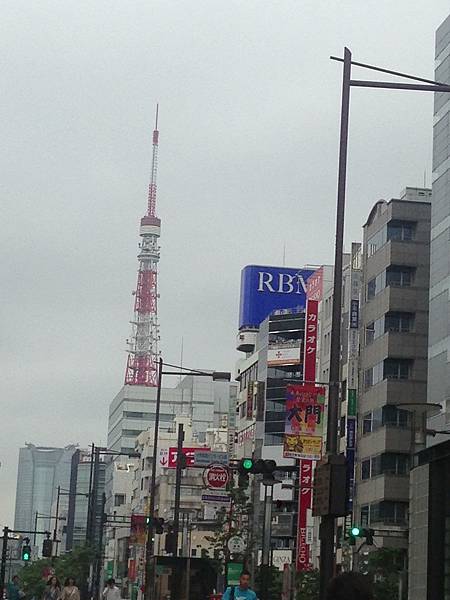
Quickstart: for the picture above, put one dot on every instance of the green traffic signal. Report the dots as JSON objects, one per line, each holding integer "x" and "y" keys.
{"x": 355, "y": 531}
{"x": 26, "y": 553}
{"x": 247, "y": 464}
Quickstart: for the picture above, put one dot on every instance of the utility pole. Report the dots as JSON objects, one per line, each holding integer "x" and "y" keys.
{"x": 3, "y": 561}
{"x": 55, "y": 530}
{"x": 181, "y": 463}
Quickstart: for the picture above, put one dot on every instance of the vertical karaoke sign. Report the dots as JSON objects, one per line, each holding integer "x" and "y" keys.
{"x": 304, "y": 427}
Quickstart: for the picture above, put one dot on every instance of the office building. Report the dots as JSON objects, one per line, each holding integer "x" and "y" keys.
{"x": 393, "y": 358}
{"x": 271, "y": 335}
{"x": 429, "y": 558}
{"x": 77, "y": 502}
{"x": 132, "y": 411}
{"x": 439, "y": 333}
{"x": 41, "y": 470}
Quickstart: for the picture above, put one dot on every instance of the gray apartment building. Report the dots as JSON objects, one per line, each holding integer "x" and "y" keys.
{"x": 393, "y": 358}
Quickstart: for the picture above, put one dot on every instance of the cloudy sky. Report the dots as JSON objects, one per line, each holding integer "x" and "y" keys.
{"x": 249, "y": 107}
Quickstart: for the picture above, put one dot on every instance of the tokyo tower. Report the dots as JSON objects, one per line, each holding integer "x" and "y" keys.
{"x": 143, "y": 352}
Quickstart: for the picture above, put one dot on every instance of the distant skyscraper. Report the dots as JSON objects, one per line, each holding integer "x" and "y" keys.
{"x": 41, "y": 470}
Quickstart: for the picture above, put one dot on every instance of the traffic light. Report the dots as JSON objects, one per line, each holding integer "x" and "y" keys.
{"x": 47, "y": 548}
{"x": 26, "y": 553}
{"x": 360, "y": 532}
{"x": 260, "y": 466}
{"x": 170, "y": 541}
{"x": 158, "y": 524}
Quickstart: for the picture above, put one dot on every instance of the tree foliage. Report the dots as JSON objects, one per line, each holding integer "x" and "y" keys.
{"x": 307, "y": 585}
{"x": 73, "y": 564}
{"x": 385, "y": 567}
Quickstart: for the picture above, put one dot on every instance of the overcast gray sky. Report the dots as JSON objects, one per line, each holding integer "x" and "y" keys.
{"x": 249, "y": 108}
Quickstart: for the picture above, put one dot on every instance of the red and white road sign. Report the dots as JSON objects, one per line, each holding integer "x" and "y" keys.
{"x": 216, "y": 477}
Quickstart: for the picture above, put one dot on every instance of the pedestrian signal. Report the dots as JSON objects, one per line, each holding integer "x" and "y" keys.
{"x": 26, "y": 553}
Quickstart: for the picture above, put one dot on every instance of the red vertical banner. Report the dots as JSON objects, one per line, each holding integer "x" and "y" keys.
{"x": 311, "y": 331}
{"x": 303, "y": 562}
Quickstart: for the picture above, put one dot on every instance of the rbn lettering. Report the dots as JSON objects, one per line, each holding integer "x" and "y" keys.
{"x": 284, "y": 284}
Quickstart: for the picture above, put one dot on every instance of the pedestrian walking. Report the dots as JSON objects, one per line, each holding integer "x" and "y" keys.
{"x": 111, "y": 591}
{"x": 241, "y": 591}
{"x": 349, "y": 586}
{"x": 53, "y": 591}
{"x": 70, "y": 590}
{"x": 13, "y": 590}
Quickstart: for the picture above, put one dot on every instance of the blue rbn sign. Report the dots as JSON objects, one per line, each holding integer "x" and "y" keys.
{"x": 266, "y": 289}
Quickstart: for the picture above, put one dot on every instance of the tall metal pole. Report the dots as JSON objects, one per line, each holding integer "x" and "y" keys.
{"x": 55, "y": 530}
{"x": 3, "y": 561}
{"x": 266, "y": 537}
{"x": 179, "y": 472}
{"x": 327, "y": 527}
{"x": 35, "y": 527}
{"x": 175, "y": 592}
{"x": 149, "y": 562}
{"x": 98, "y": 562}
{"x": 89, "y": 512}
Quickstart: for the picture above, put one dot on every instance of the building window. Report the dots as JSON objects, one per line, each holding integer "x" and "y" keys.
{"x": 397, "y": 368}
{"x": 399, "y": 322}
{"x": 367, "y": 423}
{"x": 389, "y": 512}
{"x": 389, "y": 463}
{"x": 398, "y": 276}
{"x": 371, "y": 289}
{"x": 401, "y": 231}
{"x": 119, "y": 499}
{"x": 365, "y": 515}
{"x": 365, "y": 469}
{"x": 370, "y": 333}
{"x": 395, "y": 417}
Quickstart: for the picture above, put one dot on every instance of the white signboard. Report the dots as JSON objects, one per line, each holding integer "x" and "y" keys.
{"x": 282, "y": 355}
{"x": 236, "y": 545}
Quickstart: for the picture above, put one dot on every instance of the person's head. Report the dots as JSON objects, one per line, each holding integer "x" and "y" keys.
{"x": 15, "y": 579}
{"x": 70, "y": 581}
{"x": 244, "y": 580}
{"x": 349, "y": 586}
{"x": 111, "y": 582}
{"x": 53, "y": 581}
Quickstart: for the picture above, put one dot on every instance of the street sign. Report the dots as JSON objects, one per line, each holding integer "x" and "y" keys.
{"x": 216, "y": 498}
{"x": 216, "y": 477}
{"x": 236, "y": 545}
{"x": 233, "y": 571}
{"x": 204, "y": 459}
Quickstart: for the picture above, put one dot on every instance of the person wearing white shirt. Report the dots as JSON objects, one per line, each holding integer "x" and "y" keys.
{"x": 111, "y": 591}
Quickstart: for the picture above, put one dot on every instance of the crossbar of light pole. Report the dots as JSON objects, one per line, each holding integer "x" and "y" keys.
{"x": 388, "y": 71}
{"x": 391, "y": 85}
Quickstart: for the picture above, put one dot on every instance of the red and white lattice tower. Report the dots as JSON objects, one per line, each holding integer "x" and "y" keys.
{"x": 143, "y": 355}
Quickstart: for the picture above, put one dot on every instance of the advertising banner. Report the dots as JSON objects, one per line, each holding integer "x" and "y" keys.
{"x": 250, "y": 393}
{"x": 350, "y": 460}
{"x": 168, "y": 456}
{"x": 309, "y": 369}
{"x": 138, "y": 529}
{"x": 304, "y": 421}
{"x": 303, "y": 562}
{"x": 315, "y": 285}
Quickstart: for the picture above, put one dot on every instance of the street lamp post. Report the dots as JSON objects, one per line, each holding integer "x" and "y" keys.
{"x": 327, "y": 528}
{"x": 149, "y": 547}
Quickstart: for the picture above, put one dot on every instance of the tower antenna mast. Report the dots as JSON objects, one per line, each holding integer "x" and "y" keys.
{"x": 143, "y": 353}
